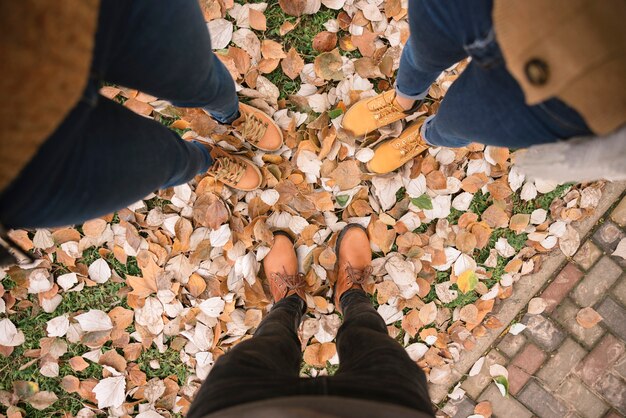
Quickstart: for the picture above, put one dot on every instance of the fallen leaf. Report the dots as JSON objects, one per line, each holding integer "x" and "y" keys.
{"x": 94, "y": 320}
{"x": 99, "y": 271}
{"x": 328, "y": 66}
{"x": 293, "y": 64}
{"x": 347, "y": 175}
{"x": 467, "y": 281}
{"x": 537, "y": 306}
{"x": 110, "y": 392}
{"x": 272, "y": 49}
{"x": 324, "y": 41}
{"x": 318, "y": 354}
{"x": 620, "y": 251}
{"x": 588, "y": 317}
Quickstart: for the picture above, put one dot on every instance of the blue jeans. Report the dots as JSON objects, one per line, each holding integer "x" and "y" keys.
{"x": 104, "y": 157}
{"x": 485, "y": 104}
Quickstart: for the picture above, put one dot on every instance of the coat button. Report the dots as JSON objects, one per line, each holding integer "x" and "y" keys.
{"x": 537, "y": 71}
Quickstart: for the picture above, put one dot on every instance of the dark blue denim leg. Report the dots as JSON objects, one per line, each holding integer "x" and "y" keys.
{"x": 485, "y": 104}
{"x": 163, "y": 48}
{"x": 372, "y": 364}
{"x": 265, "y": 366}
{"x": 102, "y": 158}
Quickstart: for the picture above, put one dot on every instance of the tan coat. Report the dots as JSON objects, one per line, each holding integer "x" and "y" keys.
{"x": 574, "y": 50}
{"x": 45, "y": 52}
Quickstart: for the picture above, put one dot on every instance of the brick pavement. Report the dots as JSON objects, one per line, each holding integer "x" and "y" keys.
{"x": 556, "y": 367}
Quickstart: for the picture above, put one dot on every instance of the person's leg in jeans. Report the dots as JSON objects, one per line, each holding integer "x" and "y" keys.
{"x": 485, "y": 104}
{"x": 268, "y": 364}
{"x": 103, "y": 157}
{"x": 163, "y": 48}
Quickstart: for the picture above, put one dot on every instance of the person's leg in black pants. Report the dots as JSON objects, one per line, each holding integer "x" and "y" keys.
{"x": 372, "y": 364}
{"x": 263, "y": 367}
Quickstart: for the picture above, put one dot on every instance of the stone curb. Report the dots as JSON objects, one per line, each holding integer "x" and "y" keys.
{"x": 524, "y": 290}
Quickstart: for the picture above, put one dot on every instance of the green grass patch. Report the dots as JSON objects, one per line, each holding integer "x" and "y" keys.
{"x": 157, "y": 202}
{"x": 170, "y": 364}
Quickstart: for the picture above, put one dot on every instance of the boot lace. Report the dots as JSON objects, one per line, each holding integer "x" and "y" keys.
{"x": 291, "y": 282}
{"x": 358, "y": 276}
{"x": 252, "y": 128}
{"x": 408, "y": 145}
{"x": 227, "y": 169}
{"x": 382, "y": 108}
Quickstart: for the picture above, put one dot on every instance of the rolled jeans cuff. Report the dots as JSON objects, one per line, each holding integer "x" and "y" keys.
{"x": 420, "y": 96}
{"x": 424, "y": 129}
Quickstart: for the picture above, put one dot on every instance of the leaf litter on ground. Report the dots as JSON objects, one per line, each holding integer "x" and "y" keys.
{"x": 126, "y": 314}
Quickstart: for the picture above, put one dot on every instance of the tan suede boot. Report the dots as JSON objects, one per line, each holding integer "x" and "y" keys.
{"x": 354, "y": 261}
{"x": 281, "y": 269}
{"x": 234, "y": 171}
{"x": 394, "y": 153}
{"x": 367, "y": 115}
{"x": 258, "y": 129}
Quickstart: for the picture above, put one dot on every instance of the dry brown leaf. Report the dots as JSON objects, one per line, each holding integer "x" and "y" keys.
{"x": 210, "y": 211}
{"x": 328, "y": 65}
{"x": 318, "y": 354}
{"x": 325, "y": 41}
{"x": 292, "y": 64}
{"x": 347, "y": 175}
{"x": 268, "y": 65}
{"x": 381, "y": 235}
{"x": 272, "y": 49}
{"x": 474, "y": 183}
{"x": 495, "y": 217}
{"x": 411, "y": 323}
{"x": 113, "y": 359}
{"x": 484, "y": 408}
{"x": 196, "y": 285}
{"x": 78, "y": 364}
{"x": 588, "y": 317}
{"x": 293, "y": 7}
{"x": 519, "y": 222}
{"x": 70, "y": 384}
{"x": 257, "y": 20}
{"x": 428, "y": 313}
{"x": 366, "y": 43}
{"x": 94, "y": 228}
{"x": 138, "y": 107}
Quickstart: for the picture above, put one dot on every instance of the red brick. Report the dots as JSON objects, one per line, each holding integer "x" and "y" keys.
{"x": 530, "y": 358}
{"x": 517, "y": 379}
{"x": 600, "y": 359}
{"x": 613, "y": 414}
{"x": 561, "y": 286}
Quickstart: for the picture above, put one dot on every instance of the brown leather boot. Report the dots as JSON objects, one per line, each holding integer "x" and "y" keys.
{"x": 234, "y": 171}
{"x": 258, "y": 129}
{"x": 281, "y": 268}
{"x": 354, "y": 260}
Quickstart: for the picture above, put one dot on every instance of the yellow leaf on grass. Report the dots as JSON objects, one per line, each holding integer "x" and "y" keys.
{"x": 467, "y": 281}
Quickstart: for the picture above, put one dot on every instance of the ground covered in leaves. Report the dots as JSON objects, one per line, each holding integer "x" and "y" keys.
{"x": 125, "y": 315}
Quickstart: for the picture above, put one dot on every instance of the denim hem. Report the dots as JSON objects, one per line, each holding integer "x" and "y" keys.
{"x": 424, "y": 128}
{"x": 420, "y": 96}
{"x": 225, "y": 120}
